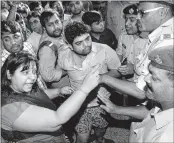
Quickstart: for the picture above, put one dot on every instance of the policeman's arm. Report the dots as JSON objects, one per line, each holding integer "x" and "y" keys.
{"x": 138, "y": 112}
{"x": 126, "y": 87}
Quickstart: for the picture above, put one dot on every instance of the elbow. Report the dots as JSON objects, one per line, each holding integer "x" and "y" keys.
{"x": 53, "y": 129}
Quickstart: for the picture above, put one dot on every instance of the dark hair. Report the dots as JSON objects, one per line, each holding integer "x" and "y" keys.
{"x": 33, "y": 14}
{"x": 44, "y": 3}
{"x": 10, "y": 26}
{"x": 72, "y": 30}
{"x": 90, "y": 17}
{"x": 51, "y": 3}
{"x": 33, "y": 5}
{"x": 45, "y": 16}
{"x": 18, "y": 17}
{"x": 22, "y": 10}
{"x": 12, "y": 63}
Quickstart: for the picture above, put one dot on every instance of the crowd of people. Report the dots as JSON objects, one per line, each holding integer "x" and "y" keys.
{"x": 61, "y": 64}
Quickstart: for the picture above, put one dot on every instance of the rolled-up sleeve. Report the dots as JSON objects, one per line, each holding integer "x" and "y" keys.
{"x": 112, "y": 59}
{"x": 48, "y": 70}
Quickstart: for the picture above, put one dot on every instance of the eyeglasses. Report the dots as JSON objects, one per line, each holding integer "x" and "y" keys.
{"x": 142, "y": 12}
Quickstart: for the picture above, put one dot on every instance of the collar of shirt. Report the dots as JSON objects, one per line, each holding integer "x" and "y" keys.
{"x": 88, "y": 58}
{"x": 162, "y": 118}
{"x": 5, "y": 52}
{"x": 157, "y": 32}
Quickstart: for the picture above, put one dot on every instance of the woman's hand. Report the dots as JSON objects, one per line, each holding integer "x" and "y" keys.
{"x": 91, "y": 80}
{"x": 66, "y": 90}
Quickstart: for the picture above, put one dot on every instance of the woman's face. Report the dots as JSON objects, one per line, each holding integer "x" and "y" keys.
{"x": 23, "y": 79}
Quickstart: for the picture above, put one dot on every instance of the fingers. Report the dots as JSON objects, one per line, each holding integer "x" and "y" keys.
{"x": 103, "y": 92}
{"x": 104, "y": 99}
{"x": 105, "y": 108}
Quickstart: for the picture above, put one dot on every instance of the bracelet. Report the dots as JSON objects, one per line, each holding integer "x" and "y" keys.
{"x": 83, "y": 91}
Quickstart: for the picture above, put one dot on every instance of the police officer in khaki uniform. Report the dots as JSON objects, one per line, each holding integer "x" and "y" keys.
{"x": 156, "y": 18}
{"x": 157, "y": 125}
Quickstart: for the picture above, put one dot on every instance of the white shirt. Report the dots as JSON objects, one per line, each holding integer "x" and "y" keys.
{"x": 156, "y": 127}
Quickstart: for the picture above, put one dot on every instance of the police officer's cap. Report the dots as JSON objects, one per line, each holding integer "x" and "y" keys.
{"x": 163, "y": 57}
{"x": 131, "y": 9}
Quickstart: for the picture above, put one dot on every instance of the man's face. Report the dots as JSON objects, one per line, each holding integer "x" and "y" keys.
{"x": 76, "y": 7}
{"x": 35, "y": 24}
{"x": 13, "y": 43}
{"x": 157, "y": 83}
{"x": 82, "y": 44}
{"x": 149, "y": 21}
{"x": 131, "y": 24}
{"x": 58, "y": 7}
{"x": 39, "y": 9}
{"x": 54, "y": 26}
{"x": 97, "y": 27}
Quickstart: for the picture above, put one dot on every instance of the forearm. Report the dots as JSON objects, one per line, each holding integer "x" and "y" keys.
{"x": 138, "y": 112}
{"x": 123, "y": 86}
{"x": 12, "y": 13}
{"x": 113, "y": 73}
{"x": 71, "y": 106}
{"x": 52, "y": 93}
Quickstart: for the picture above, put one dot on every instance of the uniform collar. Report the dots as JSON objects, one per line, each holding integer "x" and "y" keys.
{"x": 157, "y": 32}
{"x": 162, "y": 118}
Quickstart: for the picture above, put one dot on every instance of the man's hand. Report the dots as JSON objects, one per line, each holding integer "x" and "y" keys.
{"x": 109, "y": 106}
{"x": 66, "y": 90}
{"x": 126, "y": 69}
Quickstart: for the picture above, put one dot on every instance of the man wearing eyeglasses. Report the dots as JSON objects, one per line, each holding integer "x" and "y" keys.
{"x": 157, "y": 19}
{"x": 159, "y": 22}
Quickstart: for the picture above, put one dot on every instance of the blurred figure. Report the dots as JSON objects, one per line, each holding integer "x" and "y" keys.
{"x": 37, "y": 29}
{"x": 87, "y": 6}
{"x": 4, "y": 10}
{"x": 57, "y": 6}
{"x": 36, "y": 6}
{"x": 25, "y": 31}
{"x": 76, "y": 9}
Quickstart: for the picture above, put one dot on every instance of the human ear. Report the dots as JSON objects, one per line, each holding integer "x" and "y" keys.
{"x": 71, "y": 48}
{"x": 163, "y": 12}
{"x": 8, "y": 75}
